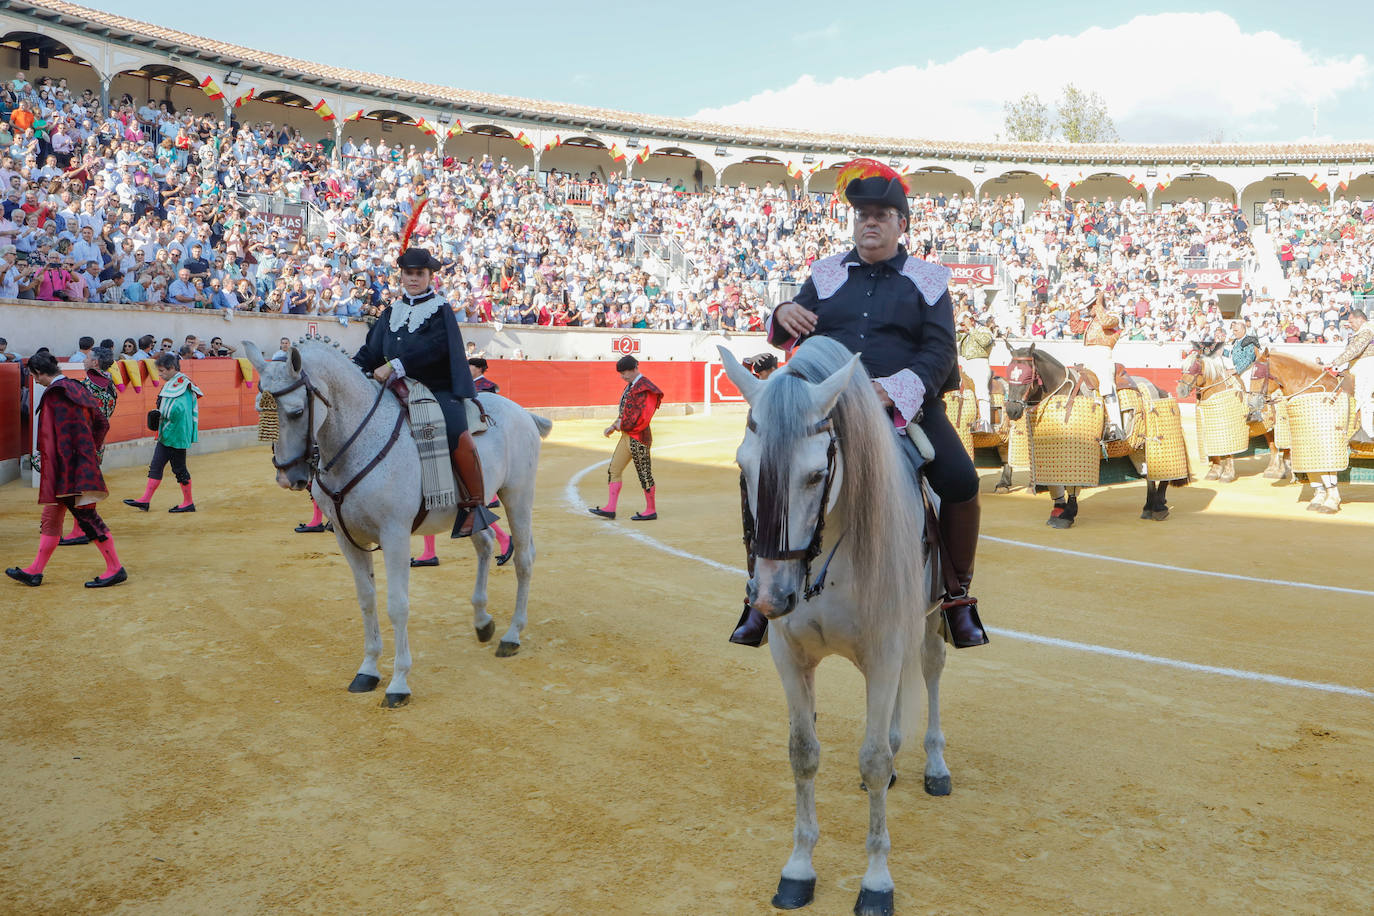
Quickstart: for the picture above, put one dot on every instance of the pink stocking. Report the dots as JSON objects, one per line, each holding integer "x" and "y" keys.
{"x": 649, "y": 501}
{"x": 186, "y": 499}
{"x": 502, "y": 539}
{"x": 107, "y": 550}
{"x": 47, "y": 543}
{"x": 429, "y": 553}
{"x": 614, "y": 497}
{"x": 149, "y": 490}
{"x": 318, "y": 517}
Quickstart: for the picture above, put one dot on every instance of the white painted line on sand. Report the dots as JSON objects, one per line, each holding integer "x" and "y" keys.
{"x": 574, "y": 503}
{"x": 1365, "y": 593}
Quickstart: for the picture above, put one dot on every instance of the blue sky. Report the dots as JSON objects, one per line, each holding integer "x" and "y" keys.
{"x": 1244, "y": 72}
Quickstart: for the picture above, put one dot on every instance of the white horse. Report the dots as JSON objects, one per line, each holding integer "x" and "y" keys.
{"x": 817, "y": 434}
{"x": 334, "y": 423}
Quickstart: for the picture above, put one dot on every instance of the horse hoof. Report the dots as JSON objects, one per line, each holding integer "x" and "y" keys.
{"x": 1160, "y": 516}
{"x": 506, "y": 649}
{"x": 1146, "y": 513}
{"x": 794, "y": 893}
{"x": 395, "y": 700}
{"x": 873, "y": 903}
{"x": 939, "y": 785}
{"x": 1002, "y": 488}
{"x": 1060, "y": 523}
{"x": 486, "y": 631}
{"x": 363, "y": 683}
{"x": 891, "y": 781}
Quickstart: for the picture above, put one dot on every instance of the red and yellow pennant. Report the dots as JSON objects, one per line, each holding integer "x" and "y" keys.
{"x": 816, "y": 167}
{"x": 524, "y": 141}
{"x": 355, "y": 116}
{"x": 427, "y": 128}
{"x": 455, "y": 128}
{"x": 643, "y": 153}
{"x": 323, "y": 110}
{"x": 248, "y": 96}
{"x": 209, "y": 87}
{"x": 793, "y": 170}
{"x": 1051, "y": 183}
{"x": 1165, "y": 180}
{"x": 555, "y": 142}
{"x": 1317, "y": 183}
{"x": 617, "y": 154}
{"x": 1136, "y": 183}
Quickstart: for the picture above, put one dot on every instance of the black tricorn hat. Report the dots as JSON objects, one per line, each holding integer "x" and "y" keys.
{"x": 418, "y": 259}
{"x": 869, "y": 182}
{"x": 761, "y": 362}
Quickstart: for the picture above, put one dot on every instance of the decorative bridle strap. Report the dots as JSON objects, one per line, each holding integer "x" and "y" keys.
{"x": 309, "y": 456}
{"x": 808, "y": 554}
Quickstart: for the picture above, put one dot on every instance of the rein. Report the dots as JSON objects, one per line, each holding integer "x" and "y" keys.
{"x": 311, "y": 455}
{"x": 1016, "y": 375}
{"x": 808, "y": 554}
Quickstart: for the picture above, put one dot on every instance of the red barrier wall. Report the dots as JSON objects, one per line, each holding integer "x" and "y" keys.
{"x": 544, "y": 383}
{"x": 228, "y": 400}
{"x": 11, "y": 422}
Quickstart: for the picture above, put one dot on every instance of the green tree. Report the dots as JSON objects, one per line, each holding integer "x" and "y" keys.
{"x": 1027, "y": 120}
{"x": 1083, "y": 117}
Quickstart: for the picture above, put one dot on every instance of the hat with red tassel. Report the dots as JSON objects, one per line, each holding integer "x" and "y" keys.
{"x": 868, "y": 181}
{"x": 416, "y": 258}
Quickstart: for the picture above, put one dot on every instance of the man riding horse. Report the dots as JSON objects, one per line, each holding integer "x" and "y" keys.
{"x": 895, "y": 311}
{"x": 1099, "y": 337}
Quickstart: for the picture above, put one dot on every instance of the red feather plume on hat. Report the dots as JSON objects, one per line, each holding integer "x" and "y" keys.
{"x": 412, "y": 222}
{"x": 868, "y": 168}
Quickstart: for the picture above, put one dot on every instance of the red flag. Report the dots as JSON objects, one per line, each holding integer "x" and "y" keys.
{"x": 427, "y": 128}
{"x": 556, "y": 141}
{"x": 455, "y": 129}
{"x": 246, "y": 97}
{"x": 355, "y": 116}
{"x": 643, "y": 153}
{"x": 524, "y": 141}
{"x": 323, "y": 110}
{"x": 617, "y": 153}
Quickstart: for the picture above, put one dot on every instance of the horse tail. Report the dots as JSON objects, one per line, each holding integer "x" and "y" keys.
{"x": 543, "y": 424}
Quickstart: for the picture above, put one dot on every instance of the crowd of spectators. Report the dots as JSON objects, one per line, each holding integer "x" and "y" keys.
{"x": 143, "y": 204}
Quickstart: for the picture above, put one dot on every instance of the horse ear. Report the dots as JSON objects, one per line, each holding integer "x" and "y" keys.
{"x": 744, "y": 380}
{"x": 825, "y": 394}
{"x": 254, "y": 355}
{"x": 295, "y": 361}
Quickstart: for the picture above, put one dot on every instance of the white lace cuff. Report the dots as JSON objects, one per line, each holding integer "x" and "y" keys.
{"x": 397, "y": 370}
{"x": 908, "y": 392}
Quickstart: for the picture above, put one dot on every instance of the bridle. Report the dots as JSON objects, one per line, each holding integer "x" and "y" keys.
{"x": 310, "y": 457}
{"x": 1022, "y": 371}
{"x": 1192, "y": 375}
{"x": 772, "y": 547}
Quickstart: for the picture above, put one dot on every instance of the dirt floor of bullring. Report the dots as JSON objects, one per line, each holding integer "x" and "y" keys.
{"x": 1147, "y": 737}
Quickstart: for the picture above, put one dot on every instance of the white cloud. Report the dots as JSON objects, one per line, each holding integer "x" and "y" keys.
{"x": 1173, "y": 77}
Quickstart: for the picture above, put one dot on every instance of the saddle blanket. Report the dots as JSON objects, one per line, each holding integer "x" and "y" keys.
{"x": 437, "y": 486}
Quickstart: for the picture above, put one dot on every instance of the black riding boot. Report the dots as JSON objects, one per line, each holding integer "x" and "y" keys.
{"x": 752, "y": 629}
{"x": 959, "y": 530}
{"x": 473, "y": 515}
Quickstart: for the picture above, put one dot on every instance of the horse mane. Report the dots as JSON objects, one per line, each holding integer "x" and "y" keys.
{"x": 884, "y": 513}
{"x": 1213, "y": 369}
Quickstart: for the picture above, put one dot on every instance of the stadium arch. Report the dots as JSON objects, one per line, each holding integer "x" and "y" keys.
{"x": 396, "y": 127}
{"x": 675, "y": 165}
{"x": 757, "y": 171}
{"x": 581, "y": 155}
{"x": 1201, "y": 185}
{"x": 1359, "y": 185}
{"x": 490, "y": 139}
{"x": 39, "y": 54}
{"x": 1100, "y": 186}
{"x": 1030, "y": 185}
{"x": 1283, "y": 185}
{"x": 935, "y": 180}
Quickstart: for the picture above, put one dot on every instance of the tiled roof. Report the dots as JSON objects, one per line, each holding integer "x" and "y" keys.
{"x": 491, "y": 104}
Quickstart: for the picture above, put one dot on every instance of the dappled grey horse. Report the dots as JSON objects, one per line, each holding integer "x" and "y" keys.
{"x": 823, "y": 480}
{"x": 346, "y": 440}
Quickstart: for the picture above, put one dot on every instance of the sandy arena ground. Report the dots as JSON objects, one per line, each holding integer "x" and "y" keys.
{"x": 184, "y": 743}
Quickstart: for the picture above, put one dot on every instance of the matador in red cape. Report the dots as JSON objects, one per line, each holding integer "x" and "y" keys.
{"x": 71, "y": 430}
{"x": 637, "y": 405}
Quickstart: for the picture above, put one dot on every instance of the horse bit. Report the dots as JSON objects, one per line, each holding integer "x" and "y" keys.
{"x": 777, "y": 535}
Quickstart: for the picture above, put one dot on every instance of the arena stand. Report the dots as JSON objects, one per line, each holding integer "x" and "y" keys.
{"x": 296, "y": 187}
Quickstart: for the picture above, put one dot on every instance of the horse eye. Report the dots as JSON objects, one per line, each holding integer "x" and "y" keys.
{"x": 296, "y": 414}
{"x": 814, "y": 478}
